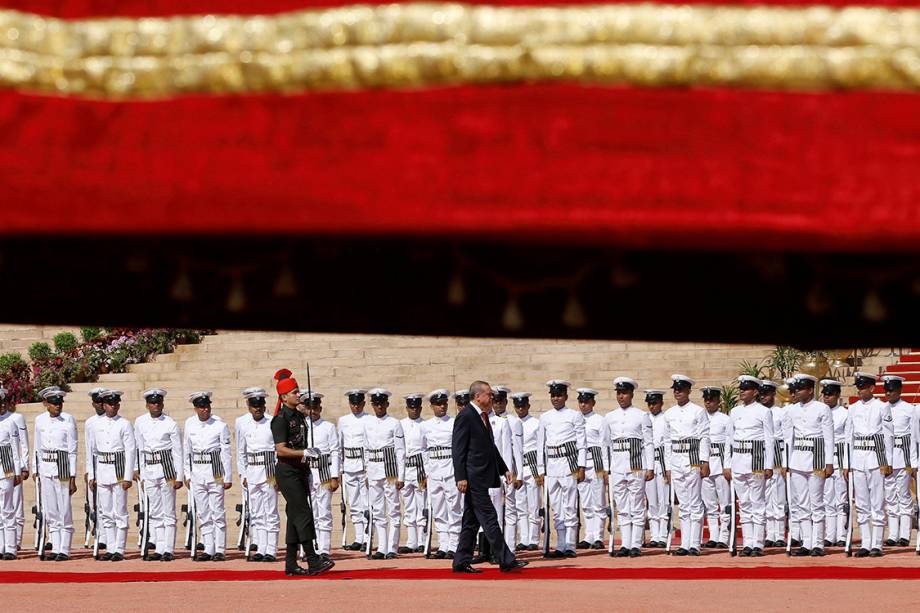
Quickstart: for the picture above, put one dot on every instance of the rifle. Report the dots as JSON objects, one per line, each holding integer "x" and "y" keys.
{"x": 342, "y": 509}
{"x": 243, "y": 521}
{"x": 732, "y": 520}
{"x": 95, "y": 513}
{"x": 611, "y": 511}
{"x": 87, "y": 511}
{"x": 370, "y": 525}
{"x": 788, "y": 483}
{"x": 671, "y": 530}
{"x": 427, "y": 515}
{"x": 38, "y": 511}
{"x": 546, "y": 512}
{"x": 312, "y": 446}
{"x": 143, "y": 522}
{"x": 851, "y": 503}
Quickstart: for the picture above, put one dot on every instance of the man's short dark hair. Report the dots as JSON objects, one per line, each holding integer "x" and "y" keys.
{"x": 478, "y": 387}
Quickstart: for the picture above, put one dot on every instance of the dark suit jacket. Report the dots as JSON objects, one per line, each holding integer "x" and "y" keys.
{"x": 476, "y": 459}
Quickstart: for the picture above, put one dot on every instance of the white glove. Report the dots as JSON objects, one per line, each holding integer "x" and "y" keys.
{"x": 311, "y": 452}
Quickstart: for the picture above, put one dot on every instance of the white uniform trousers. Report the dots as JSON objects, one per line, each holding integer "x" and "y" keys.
{"x": 496, "y": 495}
{"x": 715, "y": 491}
{"x": 514, "y": 501}
{"x": 751, "y": 491}
{"x": 20, "y": 513}
{"x": 898, "y": 503}
{"x": 869, "y": 491}
{"x": 58, "y": 514}
{"x": 8, "y": 541}
{"x": 629, "y": 497}
{"x": 413, "y": 499}
{"x": 321, "y": 499}
{"x": 447, "y": 509}
{"x": 162, "y": 514}
{"x": 687, "y": 488}
{"x": 807, "y": 506}
{"x": 264, "y": 523}
{"x": 112, "y": 507}
{"x": 593, "y": 500}
{"x": 656, "y": 495}
{"x": 355, "y": 492}
{"x": 835, "y": 504}
{"x": 776, "y": 509}
{"x": 529, "y": 514}
{"x": 563, "y": 505}
{"x": 384, "y": 502}
{"x": 212, "y": 517}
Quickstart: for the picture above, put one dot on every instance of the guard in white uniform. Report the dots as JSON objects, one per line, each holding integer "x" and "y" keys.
{"x": 95, "y": 396}
{"x": 836, "y": 505}
{"x": 324, "y": 469}
{"x": 24, "y": 460}
{"x": 414, "y": 489}
{"x": 208, "y": 471}
{"x": 899, "y": 504}
{"x": 461, "y": 399}
{"x": 255, "y": 462}
{"x": 446, "y": 501}
{"x": 870, "y": 435}
{"x": 632, "y": 457}
{"x": 112, "y": 453}
{"x": 529, "y": 517}
{"x": 354, "y": 477}
{"x": 55, "y": 463}
{"x": 687, "y": 459}
{"x": 657, "y": 490}
{"x": 808, "y": 430}
{"x": 160, "y": 467}
{"x": 385, "y": 458}
{"x": 748, "y": 462}
{"x": 561, "y": 437}
{"x": 776, "y": 485}
{"x": 592, "y": 492}
{"x": 10, "y": 477}
{"x": 715, "y": 488}
{"x": 514, "y": 494}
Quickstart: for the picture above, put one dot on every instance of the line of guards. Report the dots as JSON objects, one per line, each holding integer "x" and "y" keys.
{"x": 792, "y": 474}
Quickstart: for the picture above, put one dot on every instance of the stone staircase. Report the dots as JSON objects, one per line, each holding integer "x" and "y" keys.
{"x": 228, "y": 362}
{"x": 18, "y": 338}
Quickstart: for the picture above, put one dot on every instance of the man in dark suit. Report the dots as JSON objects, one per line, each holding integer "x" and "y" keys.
{"x": 477, "y": 467}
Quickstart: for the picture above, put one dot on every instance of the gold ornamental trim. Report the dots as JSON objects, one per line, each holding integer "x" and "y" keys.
{"x": 420, "y": 45}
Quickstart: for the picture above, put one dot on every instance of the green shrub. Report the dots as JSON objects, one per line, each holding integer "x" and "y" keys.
{"x": 39, "y": 352}
{"x": 90, "y": 334}
{"x": 11, "y": 362}
{"x": 65, "y": 342}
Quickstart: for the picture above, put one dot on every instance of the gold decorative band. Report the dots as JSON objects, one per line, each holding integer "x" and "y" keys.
{"x": 417, "y": 45}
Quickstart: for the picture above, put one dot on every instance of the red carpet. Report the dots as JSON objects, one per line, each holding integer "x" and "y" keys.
{"x": 538, "y": 573}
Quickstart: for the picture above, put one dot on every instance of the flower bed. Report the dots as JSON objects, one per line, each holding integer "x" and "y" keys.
{"x": 103, "y": 350}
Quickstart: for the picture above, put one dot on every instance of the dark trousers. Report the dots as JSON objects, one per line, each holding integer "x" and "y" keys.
{"x": 478, "y": 511}
{"x": 294, "y": 485}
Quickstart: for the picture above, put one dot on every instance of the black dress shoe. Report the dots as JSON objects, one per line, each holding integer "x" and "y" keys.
{"x": 325, "y": 556}
{"x": 769, "y": 544}
{"x": 269, "y": 558}
{"x": 154, "y": 557}
{"x": 419, "y": 550}
{"x": 795, "y": 543}
{"x": 296, "y": 571}
{"x": 840, "y": 544}
{"x": 890, "y": 542}
{"x": 757, "y": 553}
{"x": 466, "y": 568}
{"x": 439, "y": 555}
{"x": 903, "y": 542}
{"x": 746, "y": 552}
{"x": 875, "y": 553}
{"x": 167, "y": 557}
{"x": 623, "y": 552}
{"x": 106, "y": 557}
{"x": 827, "y": 543}
{"x": 520, "y": 547}
{"x": 862, "y": 553}
{"x": 102, "y": 546}
{"x": 570, "y": 553}
{"x": 710, "y": 545}
{"x": 694, "y": 551}
{"x": 12, "y": 556}
{"x": 801, "y": 552}
{"x": 390, "y": 556}
{"x": 721, "y": 545}
{"x": 634, "y": 552}
{"x": 61, "y": 557}
{"x": 118, "y": 557}
{"x": 218, "y": 557}
{"x": 203, "y": 557}
{"x": 450, "y": 555}
{"x": 378, "y": 555}
{"x": 404, "y": 550}
{"x": 513, "y": 566}
{"x": 555, "y": 555}
{"x": 817, "y": 552}
{"x": 319, "y": 568}
{"x": 681, "y": 552}
{"x": 478, "y": 559}
{"x": 256, "y": 557}
{"x": 597, "y": 545}
{"x": 583, "y": 545}
{"x": 532, "y": 548}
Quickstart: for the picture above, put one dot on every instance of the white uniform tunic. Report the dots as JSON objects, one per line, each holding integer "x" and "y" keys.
{"x": 632, "y": 453}
{"x": 25, "y": 462}
{"x": 714, "y": 489}
{"x": 255, "y": 462}
{"x": 687, "y": 445}
{"x": 808, "y": 432}
{"x": 898, "y": 501}
{"x": 413, "y": 492}
{"x": 354, "y": 479}
{"x": 385, "y": 459}
{"x": 446, "y": 501}
{"x": 515, "y": 499}
{"x": 206, "y": 445}
{"x": 748, "y": 452}
{"x": 159, "y": 452}
{"x": 870, "y": 435}
{"x": 113, "y": 453}
{"x": 561, "y": 437}
{"x": 591, "y": 491}
{"x": 56, "y": 440}
{"x": 835, "y": 488}
{"x": 529, "y": 494}
{"x": 10, "y": 468}
{"x": 326, "y": 439}
{"x": 656, "y": 490}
